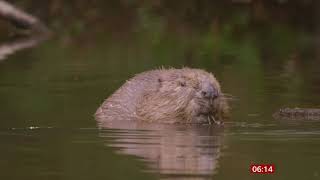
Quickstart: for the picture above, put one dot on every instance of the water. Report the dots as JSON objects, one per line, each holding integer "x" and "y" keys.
{"x": 264, "y": 54}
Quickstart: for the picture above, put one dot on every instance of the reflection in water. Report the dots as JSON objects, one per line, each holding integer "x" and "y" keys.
{"x": 12, "y": 46}
{"x": 173, "y": 151}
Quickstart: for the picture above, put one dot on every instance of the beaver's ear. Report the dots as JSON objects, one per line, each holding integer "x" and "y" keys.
{"x": 162, "y": 78}
{"x": 160, "y": 82}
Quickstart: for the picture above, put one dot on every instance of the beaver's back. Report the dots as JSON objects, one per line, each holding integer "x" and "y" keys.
{"x": 121, "y": 105}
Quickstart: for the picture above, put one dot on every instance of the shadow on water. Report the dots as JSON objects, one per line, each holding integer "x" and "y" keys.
{"x": 173, "y": 151}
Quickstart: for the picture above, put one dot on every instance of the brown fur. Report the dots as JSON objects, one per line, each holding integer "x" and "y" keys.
{"x": 167, "y": 96}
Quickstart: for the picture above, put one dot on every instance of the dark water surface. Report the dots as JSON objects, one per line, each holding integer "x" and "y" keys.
{"x": 265, "y": 54}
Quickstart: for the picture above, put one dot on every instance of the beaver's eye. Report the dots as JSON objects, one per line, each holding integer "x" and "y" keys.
{"x": 183, "y": 84}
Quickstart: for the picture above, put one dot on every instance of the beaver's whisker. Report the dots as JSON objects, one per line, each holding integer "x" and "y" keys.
{"x": 229, "y": 98}
{"x": 226, "y": 94}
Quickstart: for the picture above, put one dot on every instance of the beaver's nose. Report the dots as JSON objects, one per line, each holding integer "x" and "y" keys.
{"x": 209, "y": 92}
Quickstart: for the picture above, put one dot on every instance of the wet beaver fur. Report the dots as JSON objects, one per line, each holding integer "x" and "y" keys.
{"x": 167, "y": 96}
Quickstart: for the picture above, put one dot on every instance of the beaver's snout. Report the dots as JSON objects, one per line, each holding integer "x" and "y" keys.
{"x": 208, "y": 91}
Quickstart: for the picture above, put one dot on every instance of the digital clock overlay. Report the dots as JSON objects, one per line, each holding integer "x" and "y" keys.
{"x": 262, "y": 168}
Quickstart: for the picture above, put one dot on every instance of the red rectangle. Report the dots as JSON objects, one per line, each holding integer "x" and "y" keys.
{"x": 262, "y": 168}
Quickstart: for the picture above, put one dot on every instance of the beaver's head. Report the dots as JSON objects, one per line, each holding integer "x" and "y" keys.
{"x": 191, "y": 95}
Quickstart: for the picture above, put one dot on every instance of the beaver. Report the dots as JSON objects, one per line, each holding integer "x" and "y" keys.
{"x": 167, "y": 96}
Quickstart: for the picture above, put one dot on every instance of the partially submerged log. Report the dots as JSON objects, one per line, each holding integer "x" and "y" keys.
{"x": 298, "y": 113}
